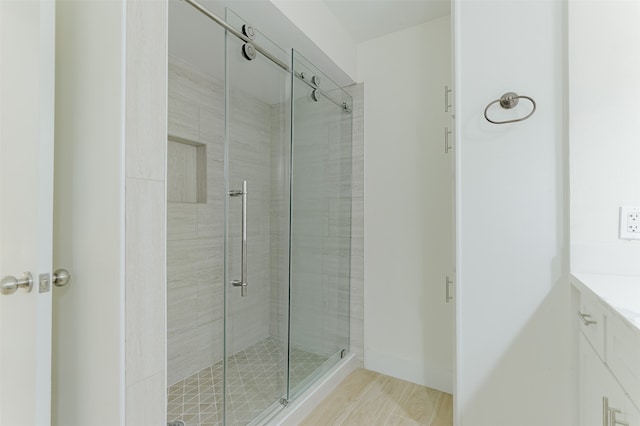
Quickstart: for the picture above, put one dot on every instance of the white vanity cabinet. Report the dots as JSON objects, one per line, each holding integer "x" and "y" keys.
{"x": 597, "y": 383}
{"x": 609, "y": 362}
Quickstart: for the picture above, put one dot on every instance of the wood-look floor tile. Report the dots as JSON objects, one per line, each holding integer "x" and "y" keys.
{"x": 418, "y": 404}
{"x": 366, "y": 398}
{"x": 395, "y": 420}
{"x": 337, "y": 406}
{"x": 444, "y": 411}
{"x": 380, "y": 399}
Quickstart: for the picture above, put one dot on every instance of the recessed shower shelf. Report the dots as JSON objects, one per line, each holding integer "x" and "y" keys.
{"x": 186, "y": 170}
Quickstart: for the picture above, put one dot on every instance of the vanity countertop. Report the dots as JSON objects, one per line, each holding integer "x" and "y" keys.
{"x": 620, "y": 292}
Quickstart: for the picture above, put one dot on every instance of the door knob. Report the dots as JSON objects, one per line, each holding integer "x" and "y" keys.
{"x": 60, "y": 277}
{"x": 10, "y": 284}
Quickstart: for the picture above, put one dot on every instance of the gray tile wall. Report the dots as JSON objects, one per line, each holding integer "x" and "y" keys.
{"x": 327, "y": 280}
{"x": 145, "y": 207}
{"x": 320, "y": 227}
{"x": 280, "y": 160}
{"x": 195, "y": 231}
{"x": 250, "y": 157}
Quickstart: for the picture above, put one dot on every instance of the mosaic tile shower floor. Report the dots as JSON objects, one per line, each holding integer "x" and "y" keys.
{"x": 255, "y": 381}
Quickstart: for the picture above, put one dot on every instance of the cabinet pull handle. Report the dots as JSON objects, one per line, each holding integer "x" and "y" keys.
{"x": 586, "y": 319}
{"x": 447, "y": 104}
{"x": 614, "y": 421}
{"x": 447, "y": 146}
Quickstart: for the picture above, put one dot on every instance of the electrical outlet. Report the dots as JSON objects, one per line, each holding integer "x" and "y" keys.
{"x": 629, "y": 223}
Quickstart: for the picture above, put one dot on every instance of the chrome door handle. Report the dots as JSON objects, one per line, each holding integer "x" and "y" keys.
{"x": 10, "y": 284}
{"x": 586, "y": 320}
{"x": 61, "y": 277}
{"x": 242, "y": 282}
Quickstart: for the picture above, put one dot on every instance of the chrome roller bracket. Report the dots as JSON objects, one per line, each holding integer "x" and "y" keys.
{"x": 249, "y": 31}
{"x": 315, "y": 95}
{"x": 249, "y": 51}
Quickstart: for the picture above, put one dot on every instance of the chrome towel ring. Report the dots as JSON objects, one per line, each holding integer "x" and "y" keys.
{"x": 507, "y": 101}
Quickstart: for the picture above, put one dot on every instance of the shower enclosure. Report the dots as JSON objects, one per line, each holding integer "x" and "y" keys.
{"x": 259, "y": 221}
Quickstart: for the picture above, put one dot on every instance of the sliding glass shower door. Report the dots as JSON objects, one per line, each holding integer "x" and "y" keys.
{"x": 259, "y": 221}
{"x": 257, "y": 225}
{"x": 320, "y": 225}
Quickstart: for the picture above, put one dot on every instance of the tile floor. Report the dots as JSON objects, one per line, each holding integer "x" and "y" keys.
{"x": 366, "y": 398}
{"x": 255, "y": 381}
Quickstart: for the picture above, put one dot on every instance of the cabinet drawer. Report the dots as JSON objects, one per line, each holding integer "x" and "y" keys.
{"x": 623, "y": 355}
{"x": 596, "y": 383}
{"x": 592, "y": 318}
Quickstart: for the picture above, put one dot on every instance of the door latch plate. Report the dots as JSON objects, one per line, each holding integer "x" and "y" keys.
{"x": 45, "y": 283}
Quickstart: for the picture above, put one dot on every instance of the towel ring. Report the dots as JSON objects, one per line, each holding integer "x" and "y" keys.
{"x": 507, "y": 101}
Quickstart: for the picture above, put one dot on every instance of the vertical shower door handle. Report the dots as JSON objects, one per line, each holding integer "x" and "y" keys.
{"x": 242, "y": 282}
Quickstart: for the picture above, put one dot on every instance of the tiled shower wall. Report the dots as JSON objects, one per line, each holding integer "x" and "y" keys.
{"x": 280, "y": 160}
{"x": 195, "y": 230}
{"x": 320, "y": 243}
{"x": 313, "y": 331}
{"x": 327, "y": 210}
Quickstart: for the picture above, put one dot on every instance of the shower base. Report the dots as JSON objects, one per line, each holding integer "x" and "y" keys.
{"x": 255, "y": 379}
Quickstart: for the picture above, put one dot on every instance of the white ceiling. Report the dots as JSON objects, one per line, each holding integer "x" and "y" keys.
{"x": 369, "y": 19}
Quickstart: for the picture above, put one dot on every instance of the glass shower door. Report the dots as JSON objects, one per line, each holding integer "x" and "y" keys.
{"x": 257, "y": 146}
{"x": 320, "y": 225}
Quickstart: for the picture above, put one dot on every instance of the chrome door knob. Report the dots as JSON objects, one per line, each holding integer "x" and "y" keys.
{"x": 10, "y": 285}
{"x": 60, "y": 277}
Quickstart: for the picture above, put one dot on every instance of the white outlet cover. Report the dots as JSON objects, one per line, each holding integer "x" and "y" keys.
{"x": 629, "y": 223}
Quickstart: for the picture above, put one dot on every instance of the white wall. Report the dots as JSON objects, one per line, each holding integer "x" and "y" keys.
{"x": 318, "y": 23}
{"x": 408, "y": 210}
{"x": 604, "y": 65}
{"x": 110, "y": 212}
{"x": 27, "y": 46}
{"x": 88, "y": 375}
{"x": 513, "y": 303}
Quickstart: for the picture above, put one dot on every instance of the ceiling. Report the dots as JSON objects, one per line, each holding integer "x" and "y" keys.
{"x": 369, "y": 19}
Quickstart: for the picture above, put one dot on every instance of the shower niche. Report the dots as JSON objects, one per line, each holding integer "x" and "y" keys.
{"x": 186, "y": 171}
{"x": 259, "y": 222}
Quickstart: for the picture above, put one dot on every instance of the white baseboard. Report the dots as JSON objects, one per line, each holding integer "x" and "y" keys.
{"x": 409, "y": 370}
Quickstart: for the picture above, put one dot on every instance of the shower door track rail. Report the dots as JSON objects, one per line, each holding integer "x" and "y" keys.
{"x": 238, "y": 34}
{"x": 345, "y": 107}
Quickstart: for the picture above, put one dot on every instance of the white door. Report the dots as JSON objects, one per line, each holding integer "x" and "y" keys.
{"x": 26, "y": 190}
